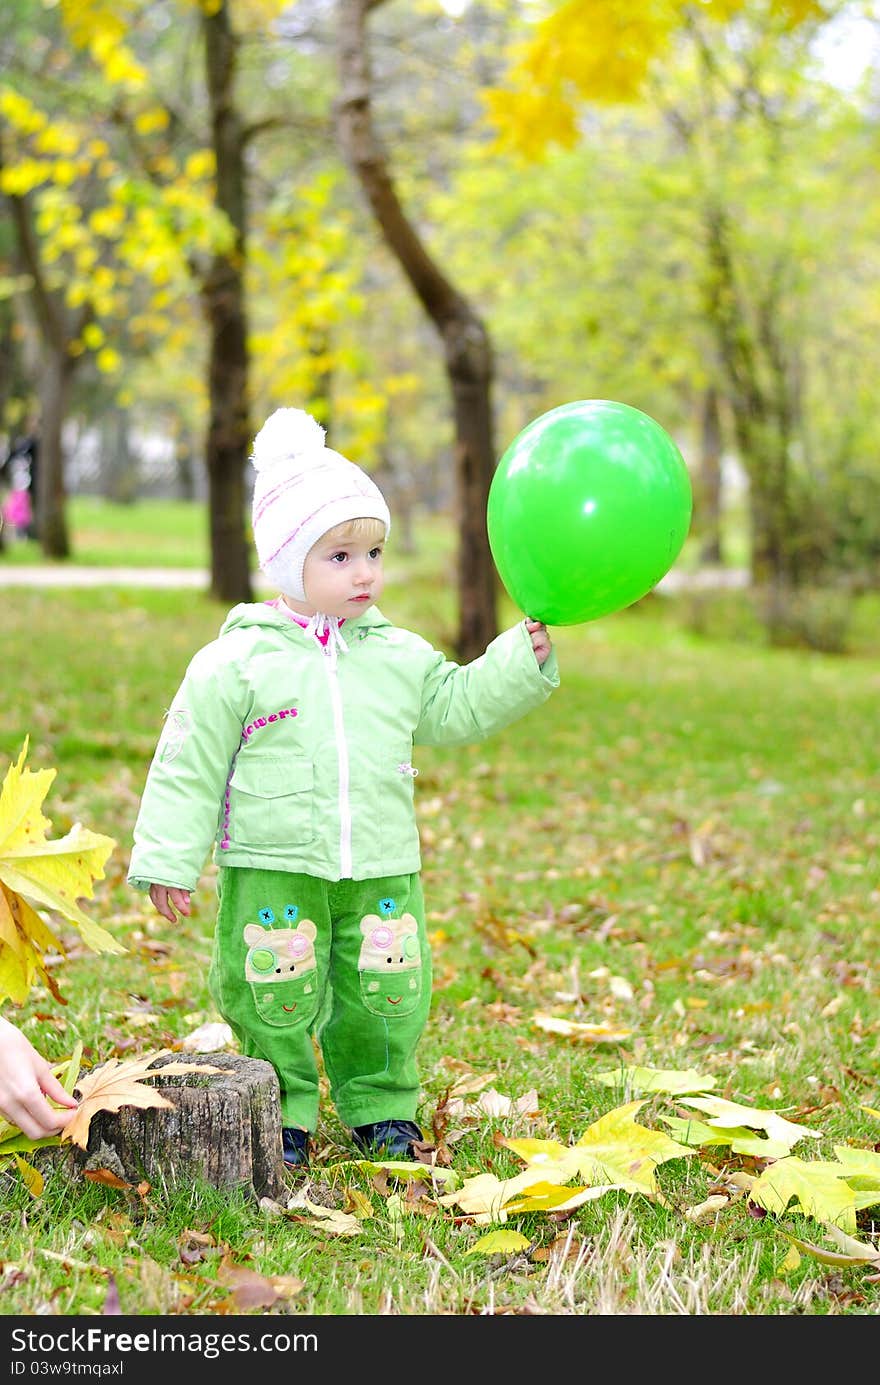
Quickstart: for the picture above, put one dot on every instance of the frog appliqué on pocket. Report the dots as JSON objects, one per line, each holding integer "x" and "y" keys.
{"x": 282, "y": 971}
{"x": 390, "y": 965}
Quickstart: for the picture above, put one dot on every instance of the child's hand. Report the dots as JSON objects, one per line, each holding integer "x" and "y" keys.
{"x": 540, "y": 639}
{"x": 164, "y": 897}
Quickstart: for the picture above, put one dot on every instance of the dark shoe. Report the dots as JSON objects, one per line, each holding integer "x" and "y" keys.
{"x": 390, "y": 1139}
{"x": 295, "y": 1143}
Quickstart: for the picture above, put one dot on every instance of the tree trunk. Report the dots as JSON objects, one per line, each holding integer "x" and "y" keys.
{"x": 56, "y": 327}
{"x": 50, "y": 509}
{"x": 223, "y": 299}
{"x": 760, "y": 410}
{"x": 224, "y": 1128}
{"x": 466, "y": 346}
{"x": 708, "y": 506}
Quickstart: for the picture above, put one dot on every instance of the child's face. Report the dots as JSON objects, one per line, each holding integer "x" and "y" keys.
{"x": 343, "y": 577}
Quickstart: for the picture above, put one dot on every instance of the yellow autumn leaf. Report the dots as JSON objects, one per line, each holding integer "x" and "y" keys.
{"x": 38, "y": 871}
{"x": 812, "y": 1186}
{"x": 724, "y": 1114}
{"x": 736, "y": 1137}
{"x": 484, "y": 1196}
{"x": 539, "y": 1151}
{"x": 31, "y": 1177}
{"x": 861, "y": 1166}
{"x": 615, "y": 1149}
{"x": 790, "y": 1260}
{"x": 574, "y": 1029}
{"x": 116, "y": 1084}
{"x": 850, "y": 1251}
{"x": 499, "y": 1243}
{"x": 552, "y": 1197}
{"x": 576, "y": 1197}
{"x": 641, "y": 1081}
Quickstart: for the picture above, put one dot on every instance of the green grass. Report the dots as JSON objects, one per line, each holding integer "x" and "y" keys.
{"x": 683, "y": 841}
{"x": 151, "y": 533}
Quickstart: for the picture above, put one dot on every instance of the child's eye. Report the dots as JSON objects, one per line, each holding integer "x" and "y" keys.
{"x": 375, "y": 553}
{"x": 338, "y": 557}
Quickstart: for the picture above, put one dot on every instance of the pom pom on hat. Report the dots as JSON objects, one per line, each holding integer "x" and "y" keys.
{"x": 286, "y": 434}
{"x": 303, "y": 489}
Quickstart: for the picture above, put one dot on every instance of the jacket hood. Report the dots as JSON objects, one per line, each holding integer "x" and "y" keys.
{"x": 251, "y": 614}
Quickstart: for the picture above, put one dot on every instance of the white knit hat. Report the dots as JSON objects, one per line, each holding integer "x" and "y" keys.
{"x": 302, "y": 489}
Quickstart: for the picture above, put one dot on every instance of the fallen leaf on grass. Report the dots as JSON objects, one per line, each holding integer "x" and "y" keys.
{"x": 573, "y": 1029}
{"x": 31, "y": 1177}
{"x": 192, "y": 1246}
{"x": 404, "y": 1168}
{"x": 616, "y": 1149}
{"x": 484, "y": 1196}
{"x": 499, "y": 1243}
{"x": 550, "y": 1197}
{"x": 725, "y": 1114}
{"x": 358, "y": 1204}
{"x": 470, "y": 1083}
{"x": 328, "y": 1220}
{"x": 495, "y": 1103}
{"x": 849, "y": 1252}
{"x": 116, "y": 1084}
{"x": 252, "y": 1290}
{"x": 705, "y": 1211}
{"x": 208, "y": 1038}
{"x": 862, "y": 1166}
{"x": 643, "y": 1081}
{"x": 738, "y": 1139}
{"x": 814, "y": 1186}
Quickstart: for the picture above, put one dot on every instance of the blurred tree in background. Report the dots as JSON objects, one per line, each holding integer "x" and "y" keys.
{"x": 671, "y": 205}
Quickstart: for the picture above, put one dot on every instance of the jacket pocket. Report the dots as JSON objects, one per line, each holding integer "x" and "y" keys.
{"x": 271, "y": 800}
{"x": 396, "y": 797}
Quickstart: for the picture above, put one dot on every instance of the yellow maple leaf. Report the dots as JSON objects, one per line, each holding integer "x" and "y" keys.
{"x": 116, "y": 1084}
{"x": 739, "y": 1138}
{"x": 37, "y": 871}
{"x": 726, "y": 1114}
{"x": 550, "y": 1197}
{"x": 639, "y": 1081}
{"x": 499, "y": 1243}
{"x": 484, "y": 1196}
{"x": 575, "y": 1029}
{"x": 813, "y": 1185}
{"x": 616, "y": 1149}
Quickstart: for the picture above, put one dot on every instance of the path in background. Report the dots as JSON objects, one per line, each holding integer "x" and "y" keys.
{"x": 70, "y": 575}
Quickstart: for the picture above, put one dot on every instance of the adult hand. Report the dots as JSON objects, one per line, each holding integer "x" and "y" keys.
{"x": 167, "y": 899}
{"x": 26, "y": 1081}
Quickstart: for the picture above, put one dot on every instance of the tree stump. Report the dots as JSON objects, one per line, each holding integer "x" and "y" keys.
{"x": 224, "y": 1128}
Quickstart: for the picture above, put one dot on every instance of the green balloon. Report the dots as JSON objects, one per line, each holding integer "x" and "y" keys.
{"x": 588, "y": 509}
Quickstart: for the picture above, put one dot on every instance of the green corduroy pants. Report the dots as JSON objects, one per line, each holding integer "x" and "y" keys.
{"x": 344, "y": 962}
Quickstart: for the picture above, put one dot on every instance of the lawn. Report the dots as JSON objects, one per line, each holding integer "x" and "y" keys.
{"x": 678, "y": 853}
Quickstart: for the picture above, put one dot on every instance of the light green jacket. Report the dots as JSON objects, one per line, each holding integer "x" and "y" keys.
{"x": 278, "y": 756}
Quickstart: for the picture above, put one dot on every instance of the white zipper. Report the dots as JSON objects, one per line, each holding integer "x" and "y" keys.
{"x": 344, "y": 774}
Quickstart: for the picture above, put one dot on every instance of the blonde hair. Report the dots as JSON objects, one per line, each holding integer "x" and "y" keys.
{"x": 369, "y": 530}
